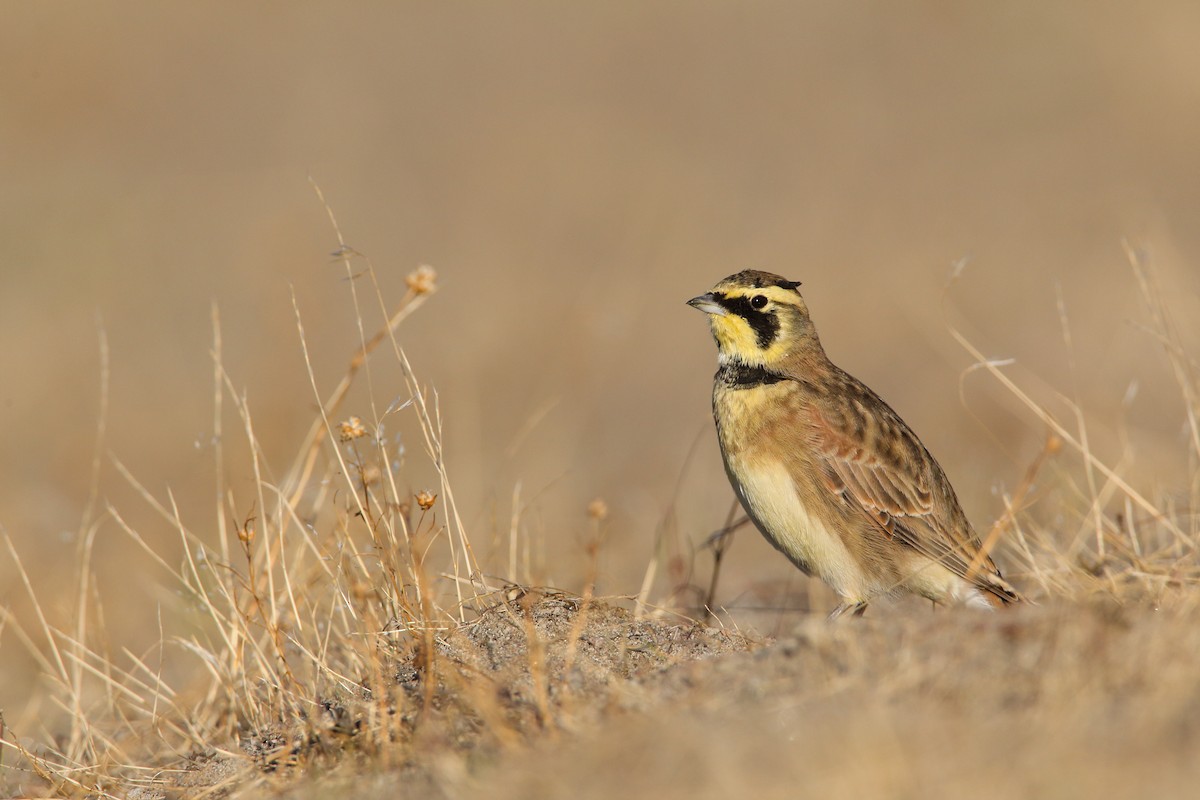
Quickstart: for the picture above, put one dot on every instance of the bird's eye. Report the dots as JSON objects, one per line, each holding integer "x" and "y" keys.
{"x": 758, "y": 301}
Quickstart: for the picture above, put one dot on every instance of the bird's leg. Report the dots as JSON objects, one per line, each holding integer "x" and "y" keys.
{"x": 719, "y": 542}
{"x": 854, "y": 609}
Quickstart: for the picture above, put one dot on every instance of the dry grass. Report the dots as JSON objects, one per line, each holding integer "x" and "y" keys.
{"x": 336, "y": 629}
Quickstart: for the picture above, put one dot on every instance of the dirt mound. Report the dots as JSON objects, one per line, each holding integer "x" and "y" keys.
{"x": 532, "y": 667}
{"x": 547, "y": 696}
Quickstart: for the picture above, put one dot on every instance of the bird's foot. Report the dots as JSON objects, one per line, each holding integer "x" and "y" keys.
{"x": 853, "y": 609}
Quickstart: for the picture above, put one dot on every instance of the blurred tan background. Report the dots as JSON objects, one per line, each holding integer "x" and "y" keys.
{"x": 574, "y": 173}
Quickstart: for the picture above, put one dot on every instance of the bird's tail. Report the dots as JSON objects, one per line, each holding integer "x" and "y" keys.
{"x": 997, "y": 591}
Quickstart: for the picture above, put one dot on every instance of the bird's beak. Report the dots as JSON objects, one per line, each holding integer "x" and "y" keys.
{"x": 708, "y": 304}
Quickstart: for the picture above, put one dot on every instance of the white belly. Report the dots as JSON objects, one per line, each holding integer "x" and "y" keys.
{"x": 770, "y": 497}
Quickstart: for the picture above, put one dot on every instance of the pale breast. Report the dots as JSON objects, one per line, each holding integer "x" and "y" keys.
{"x": 761, "y": 461}
{"x": 796, "y": 527}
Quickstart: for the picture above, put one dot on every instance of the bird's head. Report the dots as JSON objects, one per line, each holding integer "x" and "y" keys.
{"x": 757, "y": 318}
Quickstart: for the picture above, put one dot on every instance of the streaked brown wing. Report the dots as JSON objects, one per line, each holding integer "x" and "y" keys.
{"x": 896, "y": 493}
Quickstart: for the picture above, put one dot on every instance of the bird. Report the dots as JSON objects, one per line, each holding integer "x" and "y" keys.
{"x": 825, "y": 469}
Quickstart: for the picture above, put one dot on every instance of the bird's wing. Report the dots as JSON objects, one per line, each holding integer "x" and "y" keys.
{"x": 884, "y": 471}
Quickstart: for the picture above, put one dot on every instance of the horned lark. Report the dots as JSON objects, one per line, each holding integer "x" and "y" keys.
{"x": 828, "y": 472}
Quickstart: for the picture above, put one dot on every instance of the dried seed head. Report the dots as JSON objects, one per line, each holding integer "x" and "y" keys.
{"x": 598, "y": 510}
{"x": 352, "y": 428}
{"x": 245, "y": 533}
{"x": 422, "y": 280}
{"x": 425, "y": 500}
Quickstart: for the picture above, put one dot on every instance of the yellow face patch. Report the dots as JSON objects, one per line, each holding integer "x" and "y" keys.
{"x": 735, "y": 337}
{"x": 755, "y": 327}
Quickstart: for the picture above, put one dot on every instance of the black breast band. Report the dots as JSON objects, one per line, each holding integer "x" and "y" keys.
{"x": 744, "y": 376}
